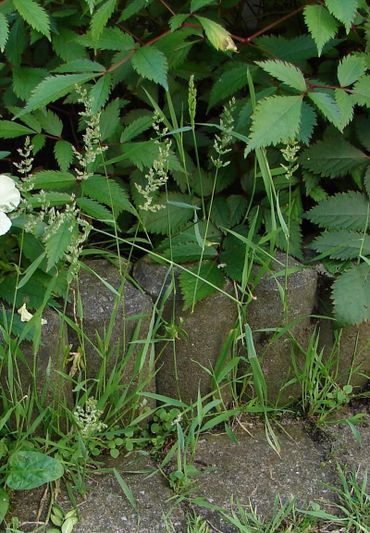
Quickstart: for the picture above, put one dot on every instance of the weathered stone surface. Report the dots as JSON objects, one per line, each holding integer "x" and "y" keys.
{"x": 50, "y": 361}
{"x": 252, "y": 473}
{"x": 269, "y": 311}
{"x": 201, "y": 336}
{"x": 121, "y": 308}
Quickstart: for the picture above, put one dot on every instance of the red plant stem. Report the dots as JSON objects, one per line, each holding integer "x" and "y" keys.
{"x": 247, "y": 40}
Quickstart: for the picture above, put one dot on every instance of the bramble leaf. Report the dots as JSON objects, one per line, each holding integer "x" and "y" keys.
{"x": 332, "y": 157}
{"x": 99, "y": 93}
{"x": 11, "y": 130}
{"x": 101, "y": 17}
{"x": 136, "y": 127}
{"x": 34, "y": 15}
{"x": 276, "y": 119}
{"x": 350, "y": 69}
{"x": 361, "y": 91}
{"x": 57, "y": 242}
{"x": 308, "y": 123}
{"x": 188, "y": 283}
{"x": 4, "y": 34}
{"x": 52, "y": 88}
{"x": 343, "y": 244}
{"x": 63, "y": 154}
{"x": 150, "y": 63}
{"x": 351, "y": 295}
{"x": 285, "y": 72}
{"x": 343, "y": 10}
{"x": 348, "y": 210}
{"x": 328, "y": 107}
{"x": 321, "y": 24}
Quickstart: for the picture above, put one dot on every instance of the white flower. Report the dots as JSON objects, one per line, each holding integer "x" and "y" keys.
{"x": 26, "y": 315}
{"x": 9, "y": 200}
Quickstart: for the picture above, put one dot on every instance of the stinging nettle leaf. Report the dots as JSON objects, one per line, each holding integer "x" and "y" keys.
{"x": 152, "y": 64}
{"x": 350, "y": 69}
{"x": 321, "y": 24}
{"x": 285, "y": 72}
{"x": 52, "y": 88}
{"x": 276, "y": 119}
{"x": 343, "y": 10}
{"x": 34, "y": 15}
{"x": 4, "y": 31}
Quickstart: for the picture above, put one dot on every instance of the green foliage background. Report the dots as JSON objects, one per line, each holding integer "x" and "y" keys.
{"x": 297, "y": 72}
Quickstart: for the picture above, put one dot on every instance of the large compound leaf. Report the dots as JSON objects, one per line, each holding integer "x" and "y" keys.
{"x": 343, "y": 244}
{"x": 276, "y": 119}
{"x": 34, "y": 15}
{"x": 28, "y": 470}
{"x": 343, "y": 10}
{"x": 321, "y": 24}
{"x": 52, "y": 88}
{"x": 332, "y": 157}
{"x": 195, "y": 288}
{"x": 150, "y": 63}
{"x": 285, "y": 72}
{"x": 350, "y": 69}
{"x": 351, "y": 294}
{"x": 348, "y": 210}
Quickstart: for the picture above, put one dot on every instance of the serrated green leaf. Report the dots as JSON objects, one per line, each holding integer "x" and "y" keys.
{"x": 217, "y": 35}
{"x": 52, "y": 199}
{"x": 108, "y": 192}
{"x": 169, "y": 217}
{"x": 52, "y": 179}
{"x": 362, "y": 127}
{"x": 276, "y": 119}
{"x": 342, "y": 245}
{"x": 28, "y": 470}
{"x": 63, "y": 152}
{"x": 50, "y": 122}
{"x": 66, "y": 46}
{"x": 367, "y": 181}
{"x": 94, "y": 209}
{"x": 17, "y": 42}
{"x": 343, "y": 10}
{"x": 101, "y": 17}
{"x": 52, "y": 88}
{"x": 348, "y": 210}
{"x": 25, "y": 79}
{"x": 99, "y": 93}
{"x": 11, "y": 130}
{"x": 193, "y": 290}
{"x": 233, "y": 254}
{"x": 133, "y": 7}
{"x": 321, "y": 24}
{"x": 198, "y": 4}
{"x": 350, "y": 69}
{"x": 345, "y": 104}
{"x": 34, "y": 15}
{"x": 307, "y": 123}
{"x": 136, "y": 127}
{"x": 38, "y": 142}
{"x": 296, "y": 49}
{"x": 80, "y": 65}
{"x": 178, "y": 20}
{"x": 57, "y": 242}
{"x": 4, "y": 34}
{"x": 332, "y": 157}
{"x": 152, "y": 64}
{"x": 285, "y": 72}
{"x": 228, "y": 83}
{"x": 361, "y": 91}
{"x": 328, "y": 107}
{"x": 351, "y": 294}
{"x": 110, "y": 119}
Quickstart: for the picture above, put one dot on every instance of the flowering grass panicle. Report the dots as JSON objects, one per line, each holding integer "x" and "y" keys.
{"x": 88, "y": 418}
